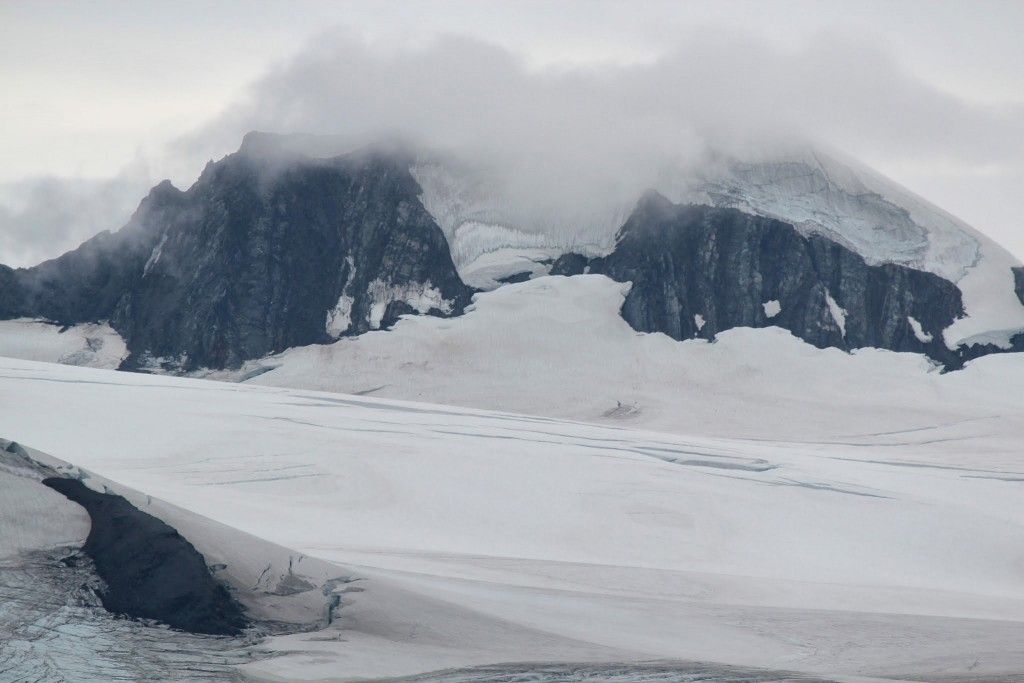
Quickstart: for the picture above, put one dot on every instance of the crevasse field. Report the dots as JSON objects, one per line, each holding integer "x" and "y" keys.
{"x": 611, "y": 496}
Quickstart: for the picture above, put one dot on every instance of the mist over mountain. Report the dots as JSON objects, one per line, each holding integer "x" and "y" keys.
{"x": 559, "y": 137}
{"x": 266, "y": 251}
{"x": 286, "y": 243}
{"x": 511, "y": 341}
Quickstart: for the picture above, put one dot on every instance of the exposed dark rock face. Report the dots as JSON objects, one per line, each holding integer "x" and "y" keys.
{"x": 698, "y": 270}
{"x": 151, "y": 572}
{"x": 88, "y": 284}
{"x": 12, "y": 296}
{"x": 1015, "y": 345}
{"x": 1018, "y": 279}
{"x": 570, "y": 264}
{"x": 515, "y": 277}
{"x": 268, "y": 250}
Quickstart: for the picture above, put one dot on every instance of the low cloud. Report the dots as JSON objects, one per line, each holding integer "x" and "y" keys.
{"x": 41, "y": 218}
{"x": 726, "y": 87}
{"x": 575, "y": 135}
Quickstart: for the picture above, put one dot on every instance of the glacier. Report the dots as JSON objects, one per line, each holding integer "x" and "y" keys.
{"x": 863, "y": 523}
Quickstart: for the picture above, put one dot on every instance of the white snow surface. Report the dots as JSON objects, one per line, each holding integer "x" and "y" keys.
{"x": 558, "y": 346}
{"x": 840, "y": 514}
{"x": 94, "y": 345}
{"x": 919, "y": 333}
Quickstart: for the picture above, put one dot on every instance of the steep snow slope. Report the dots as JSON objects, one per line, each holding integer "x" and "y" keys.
{"x": 93, "y": 345}
{"x": 887, "y": 542}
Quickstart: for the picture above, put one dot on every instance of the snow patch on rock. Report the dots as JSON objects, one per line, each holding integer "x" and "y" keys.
{"x": 154, "y": 256}
{"x": 339, "y": 318}
{"x": 838, "y": 313}
{"x": 772, "y": 308}
{"x": 919, "y": 332}
{"x": 421, "y": 296}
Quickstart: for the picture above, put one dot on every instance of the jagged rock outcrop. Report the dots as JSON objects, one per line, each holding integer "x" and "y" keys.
{"x": 698, "y": 270}
{"x": 268, "y": 250}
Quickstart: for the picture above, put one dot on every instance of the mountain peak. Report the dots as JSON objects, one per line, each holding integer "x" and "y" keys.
{"x": 260, "y": 142}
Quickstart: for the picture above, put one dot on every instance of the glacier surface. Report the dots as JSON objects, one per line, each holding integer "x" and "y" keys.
{"x": 693, "y": 503}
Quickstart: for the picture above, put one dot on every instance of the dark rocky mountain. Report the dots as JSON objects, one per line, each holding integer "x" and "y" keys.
{"x": 272, "y": 249}
{"x": 12, "y": 298}
{"x": 267, "y": 250}
{"x": 699, "y": 270}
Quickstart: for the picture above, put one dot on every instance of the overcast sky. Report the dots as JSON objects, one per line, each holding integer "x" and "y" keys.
{"x": 102, "y": 99}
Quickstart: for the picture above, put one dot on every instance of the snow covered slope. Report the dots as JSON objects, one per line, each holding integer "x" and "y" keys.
{"x": 886, "y": 542}
{"x": 90, "y": 344}
{"x": 557, "y": 346}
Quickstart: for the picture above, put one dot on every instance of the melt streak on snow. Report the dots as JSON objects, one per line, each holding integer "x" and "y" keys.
{"x": 874, "y": 530}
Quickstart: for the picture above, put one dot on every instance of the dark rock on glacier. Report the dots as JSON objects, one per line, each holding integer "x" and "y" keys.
{"x": 1018, "y": 280}
{"x": 150, "y": 571}
{"x": 515, "y": 278}
{"x": 570, "y": 264}
{"x": 699, "y": 270}
{"x": 268, "y": 250}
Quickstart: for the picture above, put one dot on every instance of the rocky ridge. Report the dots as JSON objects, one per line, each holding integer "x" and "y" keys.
{"x": 267, "y": 250}
{"x": 698, "y": 270}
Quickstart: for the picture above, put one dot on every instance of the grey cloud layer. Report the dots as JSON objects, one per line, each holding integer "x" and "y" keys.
{"x": 41, "y": 218}
{"x": 462, "y": 92}
{"x": 572, "y": 135}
